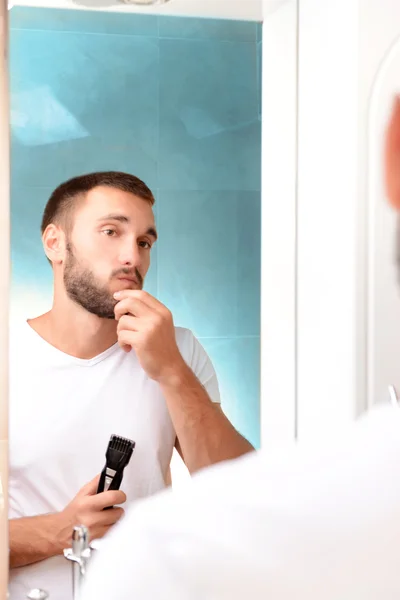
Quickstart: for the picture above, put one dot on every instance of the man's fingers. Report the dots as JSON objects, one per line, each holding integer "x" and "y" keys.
{"x": 109, "y": 498}
{"x": 144, "y": 297}
{"x": 127, "y": 339}
{"x": 109, "y": 517}
{"x": 129, "y": 323}
{"x": 115, "y": 515}
{"x": 131, "y": 306}
{"x": 90, "y": 488}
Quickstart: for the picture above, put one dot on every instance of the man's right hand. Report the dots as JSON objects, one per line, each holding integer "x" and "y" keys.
{"x": 87, "y": 508}
{"x": 33, "y": 539}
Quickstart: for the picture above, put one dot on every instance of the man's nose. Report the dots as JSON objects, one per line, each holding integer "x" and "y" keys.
{"x": 130, "y": 255}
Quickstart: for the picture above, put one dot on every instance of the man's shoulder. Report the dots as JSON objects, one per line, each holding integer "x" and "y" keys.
{"x": 188, "y": 344}
{"x": 184, "y": 335}
{"x": 196, "y": 356}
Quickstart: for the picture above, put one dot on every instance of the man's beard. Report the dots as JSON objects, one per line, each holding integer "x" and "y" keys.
{"x": 83, "y": 288}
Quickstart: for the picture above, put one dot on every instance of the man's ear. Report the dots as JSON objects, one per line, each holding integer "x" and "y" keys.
{"x": 392, "y": 156}
{"x": 54, "y": 243}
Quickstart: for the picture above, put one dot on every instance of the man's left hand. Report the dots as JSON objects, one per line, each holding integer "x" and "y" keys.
{"x": 146, "y": 326}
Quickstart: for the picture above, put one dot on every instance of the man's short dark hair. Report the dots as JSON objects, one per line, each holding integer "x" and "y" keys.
{"x": 60, "y": 205}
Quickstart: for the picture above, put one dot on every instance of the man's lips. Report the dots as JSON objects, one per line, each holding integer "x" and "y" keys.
{"x": 130, "y": 279}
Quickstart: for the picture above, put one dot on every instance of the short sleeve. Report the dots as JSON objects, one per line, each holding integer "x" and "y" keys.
{"x": 199, "y": 361}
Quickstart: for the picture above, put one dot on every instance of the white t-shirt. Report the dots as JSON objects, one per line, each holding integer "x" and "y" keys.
{"x": 63, "y": 411}
{"x": 306, "y": 524}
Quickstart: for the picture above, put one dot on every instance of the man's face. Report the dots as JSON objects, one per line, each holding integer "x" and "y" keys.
{"x": 392, "y": 157}
{"x": 108, "y": 248}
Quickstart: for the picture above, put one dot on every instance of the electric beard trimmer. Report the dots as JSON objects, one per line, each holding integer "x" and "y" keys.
{"x": 118, "y": 455}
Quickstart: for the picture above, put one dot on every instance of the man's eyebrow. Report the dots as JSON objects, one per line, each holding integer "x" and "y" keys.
{"x": 115, "y": 217}
{"x": 151, "y": 231}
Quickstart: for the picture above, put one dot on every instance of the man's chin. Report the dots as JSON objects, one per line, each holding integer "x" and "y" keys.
{"x": 103, "y": 313}
{"x": 108, "y": 316}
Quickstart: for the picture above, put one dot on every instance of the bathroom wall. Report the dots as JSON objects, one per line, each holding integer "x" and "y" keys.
{"x": 4, "y": 299}
{"x": 176, "y": 101}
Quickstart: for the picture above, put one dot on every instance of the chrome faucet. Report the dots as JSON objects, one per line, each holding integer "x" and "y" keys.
{"x": 37, "y": 594}
{"x": 79, "y": 555}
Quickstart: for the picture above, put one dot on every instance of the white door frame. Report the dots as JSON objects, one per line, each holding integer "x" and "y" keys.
{"x": 279, "y": 224}
{"x": 313, "y": 296}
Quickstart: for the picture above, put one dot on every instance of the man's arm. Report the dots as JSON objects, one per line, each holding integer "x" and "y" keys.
{"x": 33, "y": 539}
{"x": 204, "y": 434}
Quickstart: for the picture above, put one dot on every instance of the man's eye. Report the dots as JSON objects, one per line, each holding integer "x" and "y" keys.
{"x": 109, "y": 232}
{"x": 144, "y": 245}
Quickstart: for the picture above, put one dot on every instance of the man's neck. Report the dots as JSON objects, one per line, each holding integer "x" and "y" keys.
{"x": 75, "y": 331}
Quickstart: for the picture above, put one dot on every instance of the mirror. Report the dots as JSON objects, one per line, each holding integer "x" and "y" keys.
{"x": 176, "y": 102}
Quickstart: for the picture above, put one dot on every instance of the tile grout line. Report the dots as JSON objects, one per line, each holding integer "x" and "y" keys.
{"x": 133, "y": 35}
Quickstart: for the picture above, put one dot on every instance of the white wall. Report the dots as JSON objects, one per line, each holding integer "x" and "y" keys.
{"x": 337, "y": 308}
{"x": 328, "y": 222}
{"x": 313, "y": 325}
{"x": 348, "y": 320}
{"x": 278, "y": 246}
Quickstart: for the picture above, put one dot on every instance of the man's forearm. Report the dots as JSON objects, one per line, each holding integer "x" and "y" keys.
{"x": 33, "y": 539}
{"x": 205, "y": 434}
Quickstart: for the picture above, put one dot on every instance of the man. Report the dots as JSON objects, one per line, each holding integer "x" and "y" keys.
{"x": 306, "y": 524}
{"x": 106, "y": 359}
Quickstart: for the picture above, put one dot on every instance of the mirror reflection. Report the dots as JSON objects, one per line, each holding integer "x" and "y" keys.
{"x": 135, "y": 301}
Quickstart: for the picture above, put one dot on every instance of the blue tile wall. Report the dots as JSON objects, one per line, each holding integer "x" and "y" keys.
{"x": 209, "y": 263}
{"x": 259, "y": 75}
{"x": 177, "y": 102}
{"x": 209, "y": 127}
